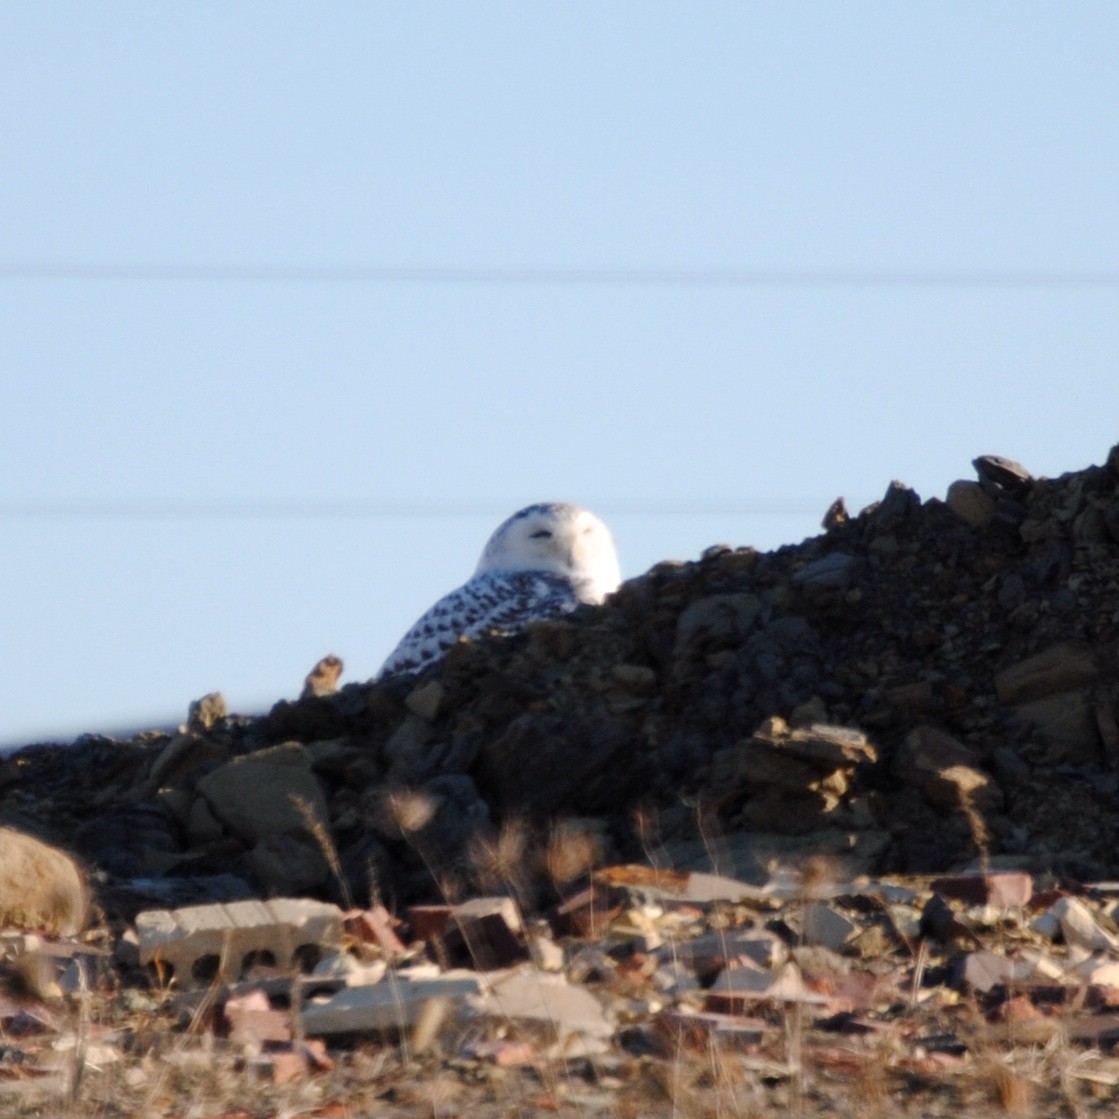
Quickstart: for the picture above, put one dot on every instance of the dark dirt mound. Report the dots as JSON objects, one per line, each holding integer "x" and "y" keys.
{"x": 924, "y": 684}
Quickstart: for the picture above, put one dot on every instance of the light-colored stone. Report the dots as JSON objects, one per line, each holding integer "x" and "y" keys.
{"x": 711, "y": 952}
{"x": 41, "y": 887}
{"x": 749, "y": 985}
{"x": 693, "y": 1029}
{"x": 946, "y": 771}
{"x": 477, "y": 908}
{"x": 526, "y": 994}
{"x": 266, "y": 793}
{"x": 1101, "y": 973}
{"x": 1079, "y": 927}
{"x": 821, "y": 745}
{"x": 927, "y": 750}
{"x": 716, "y": 887}
{"x": 205, "y": 713}
{"x": 322, "y": 680}
{"x": 396, "y": 1003}
{"x": 204, "y": 942}
{"x": 1067, "y": 722}
{"x": 958, "y": 787}
{"x": 1060, "y": 668}
{"x": 971, "y": 503}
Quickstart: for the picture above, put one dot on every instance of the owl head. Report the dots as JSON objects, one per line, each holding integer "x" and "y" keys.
{"x": 560, "y": 538}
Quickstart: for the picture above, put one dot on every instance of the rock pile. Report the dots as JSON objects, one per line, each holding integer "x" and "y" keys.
{"x": 923, "y": 685}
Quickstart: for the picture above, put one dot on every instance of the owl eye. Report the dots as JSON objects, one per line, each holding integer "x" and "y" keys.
{"x": 541, "y": 534}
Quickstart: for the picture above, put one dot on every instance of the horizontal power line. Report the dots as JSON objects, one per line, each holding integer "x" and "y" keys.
{"x": 567, "y": 277}
{"x": 296, "y": 511}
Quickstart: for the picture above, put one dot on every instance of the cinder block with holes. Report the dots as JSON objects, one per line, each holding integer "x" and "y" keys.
{"x": 218, "y": 943}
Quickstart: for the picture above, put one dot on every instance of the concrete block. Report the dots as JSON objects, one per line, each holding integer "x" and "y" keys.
{"x": 207, "y": 943}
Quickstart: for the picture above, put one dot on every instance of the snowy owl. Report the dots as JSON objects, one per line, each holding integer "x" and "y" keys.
{"x": 543, "y": 561}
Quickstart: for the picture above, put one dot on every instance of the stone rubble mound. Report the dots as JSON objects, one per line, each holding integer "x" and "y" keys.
{"x": 925, "y": 685}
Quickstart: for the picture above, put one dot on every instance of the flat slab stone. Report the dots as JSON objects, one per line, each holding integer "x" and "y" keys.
{"x": 396, "y": 1003}
{"x": 526, "y": 994}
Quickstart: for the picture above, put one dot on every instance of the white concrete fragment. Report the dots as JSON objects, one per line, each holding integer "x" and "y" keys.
{"x": 783, "y": 984}
{"x": 716, "y": 887}
{"x": 349, "y": 971}
{"x": 710, "y": 952}
{"x": 1079, "y": 927}
{"x": 395, "y": 1003}
{"x": 1103, "y": 973}
{"x": 526, "y": 994}
{"x": 204, "y": 943}
{"x": 478, "y": 908}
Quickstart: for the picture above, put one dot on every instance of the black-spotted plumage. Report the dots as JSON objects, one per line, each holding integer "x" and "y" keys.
{"x": 541, "y": 562}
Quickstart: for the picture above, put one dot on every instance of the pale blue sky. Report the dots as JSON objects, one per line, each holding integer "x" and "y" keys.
{"x": 752, "y": 256}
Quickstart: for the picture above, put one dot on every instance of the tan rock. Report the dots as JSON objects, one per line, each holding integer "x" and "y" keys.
{"x": 270, "y": 792}
{"x": 829, "y": 746}
{"x": 183, "y": 755}
{"x": 205, "y": 713}
{"x": 1067, "y": 722}
{"x": 970, "y": 503}
{"x": 717, "y": 619}
{"x": 41, "y": 887}
{"x": 958, "y": 787}
{"x": 322, "y": 680}
{"x": 927, "y": 750}
{"x": 1061, "y": 667}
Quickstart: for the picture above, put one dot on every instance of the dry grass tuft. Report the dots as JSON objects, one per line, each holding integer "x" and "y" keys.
{"x": 1013, "y": 1093}
{"x": 409, "y": 810}
{"x": 570, "y": 852}
{"x": 980, "y": 836}
{"x": 41, "y": 887}
{"x": 499, "y": 861}
{"x": 647, "y": 825}
{"x": 29, "y": 977}
{"x": 326, "y": 845}
{"x": 818, "y": 874}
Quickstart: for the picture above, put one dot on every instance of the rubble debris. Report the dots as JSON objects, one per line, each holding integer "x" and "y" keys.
{"x": 395, "y": 1003}
{"x": 204, "y": 943}
{"x": 841, "y": 814}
